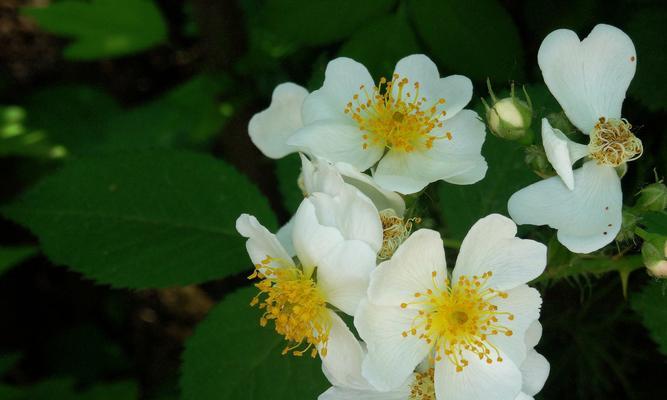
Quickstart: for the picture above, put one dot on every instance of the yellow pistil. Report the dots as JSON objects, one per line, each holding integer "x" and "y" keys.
{"x": 613, "y": 143}
{"x": 295, "y": 304}
{"x": 460, "y": 318}
{"x": 395, "y": 118}
{"x": 395, "y": 231}
{"x": 423, "y": 388}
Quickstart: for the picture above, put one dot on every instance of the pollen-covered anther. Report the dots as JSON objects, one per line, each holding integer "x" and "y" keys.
{"x": 294, "y": 303}
{"x": 613, "y": 143}
{"x": 423, "y": 387}
{"x": 460, "y": 320}
{"x": 393, "y": 116}
{"x": 394, "y": 232}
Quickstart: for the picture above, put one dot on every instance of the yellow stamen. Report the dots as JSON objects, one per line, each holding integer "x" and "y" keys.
{"x": 423, "y": 387}
{"x": 295, "y": 304}
{"x": 395, "y": 231}
{"x": 613, "y": 143}
{"x": 460, "y": 317}
{"x": 396, "y": 118}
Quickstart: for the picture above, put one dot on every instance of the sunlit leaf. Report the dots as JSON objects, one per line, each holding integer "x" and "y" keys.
{"x": 148, "y": 219}
{"x": 102, "y": 28}
{"x": 230, "y": 357}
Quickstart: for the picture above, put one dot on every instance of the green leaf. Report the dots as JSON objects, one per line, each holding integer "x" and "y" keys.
{"x": 463, "y": 205}
{"x": 148, "y": 219}
{"x": 288, "y": 170}
{"x": 231, "y": 357}
{"x": 73, "y": 116}
{"x": 102, "y": 28}
{"x": 11, "y": 256}
{"x": 188, "y": 115}
{"x": 319, "y": 22}
{"x": 125, "y": 390}
{"x": 86, "y": 120}
{"x": 651, "y": 305}
{"x": 474, "y": 38}
{"x": 647, "y": 29}
{"x": 380, "y": 44}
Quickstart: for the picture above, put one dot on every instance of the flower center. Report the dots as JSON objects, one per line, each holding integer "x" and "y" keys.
{"x": 395, "y": 231}
{"x": 295, "y": 304}
{"x": 613, "y": 143}
{"x": 393, "y": 117}
{"x": 423, "y": 388}
{"x": 460, "y": 318}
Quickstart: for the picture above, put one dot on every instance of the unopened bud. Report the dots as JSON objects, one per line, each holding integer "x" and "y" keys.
{"x": 508, "y": 118}
{"x": 653, "y": 197}
{"x": 628, "y": 225}
{"x": 654, "y": 254}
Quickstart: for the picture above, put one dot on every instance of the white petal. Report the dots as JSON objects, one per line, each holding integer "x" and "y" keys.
{"x": 342, "y": 80}
{"x": 588, "y": 78}
{"x": 261, "y": 243}
{"x": 587, "y": 218}
{"x": 270, "y": 128}
{"x": 410, "y": 172}
{"x": 383, "y": 199}
{"x": 391, "y": 357}
{"x": 340, "y": 393}
{"x": 533, "y": 334}
{"x": 478, "y": 380}
{"x": 342, "y": 364}
{"x": 561, "y": 152}
{"x": 320, "y": 176}
{"x": 455, "y": 89}
{"x": 312, "y": 240}
{"x": 352, "y": 213}
{"x": 524, "y": 304}
{"x": 344, "y": 273}
{"x": 336, "y": 141}
{"x": 410, "y": 270}
{"x": 535, "y": 370}
{"x": 284, "y": 236}
{"x": 457, "y": 92}
{"x": 523, "y": 396}
{"x": 492, "y": 245}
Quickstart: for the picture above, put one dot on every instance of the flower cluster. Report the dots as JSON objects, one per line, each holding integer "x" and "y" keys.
{"x": 353, "y": 251}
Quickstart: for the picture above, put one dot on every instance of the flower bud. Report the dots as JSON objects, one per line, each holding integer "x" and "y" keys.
{"x": 628, "y": 225}
{"x": 653, "y": 197}
{"x": 508, "y": 118}
{"x": 654, "y": 253}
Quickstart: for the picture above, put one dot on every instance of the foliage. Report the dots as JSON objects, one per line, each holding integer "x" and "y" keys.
{"x": 240, "y": 360}
{"x": 150, "y": 219}
{"x": 103, "y": 28}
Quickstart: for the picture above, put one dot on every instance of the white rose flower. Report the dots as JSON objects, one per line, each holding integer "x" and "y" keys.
{"x": 472, "y": 326}
{"x": 589, "y": 79}
{"x": 336, "y": 240}
{"x": 421, "y": 384}
{"x": 413, "y": 126}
